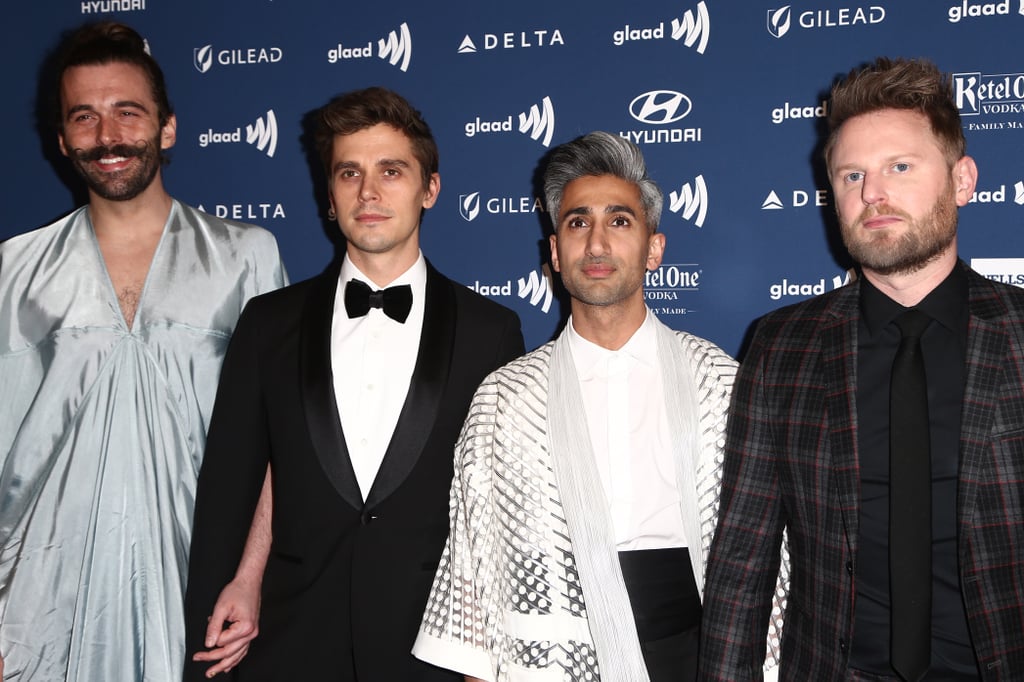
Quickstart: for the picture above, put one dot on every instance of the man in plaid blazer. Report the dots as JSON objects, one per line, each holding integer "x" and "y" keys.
{"x": 808, "y": 435}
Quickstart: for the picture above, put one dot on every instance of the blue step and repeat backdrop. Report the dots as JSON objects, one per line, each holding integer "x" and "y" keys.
{"x": 726, "y": 100}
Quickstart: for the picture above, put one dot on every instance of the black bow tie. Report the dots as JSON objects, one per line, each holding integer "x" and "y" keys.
{"x": 396, "y": 302}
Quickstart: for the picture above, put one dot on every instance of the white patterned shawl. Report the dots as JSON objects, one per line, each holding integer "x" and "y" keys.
{"x": 507, "y": 604}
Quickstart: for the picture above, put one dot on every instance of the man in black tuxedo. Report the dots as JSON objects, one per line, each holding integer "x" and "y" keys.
{"x": 353, "y": 387}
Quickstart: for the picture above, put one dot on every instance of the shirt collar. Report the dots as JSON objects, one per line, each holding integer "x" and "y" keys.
{"x": 591, "y": 359}
{"x": 946, "y": 303}
{"x": 416, "y": 275}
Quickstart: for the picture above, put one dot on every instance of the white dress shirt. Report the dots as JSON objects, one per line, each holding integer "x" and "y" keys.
{"x": 629, "y": 431}
{"x": 372, "y": 360}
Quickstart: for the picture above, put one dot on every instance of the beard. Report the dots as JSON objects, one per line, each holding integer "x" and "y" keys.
{"x": 921, "y": 242}
{"x": 120, "y": 185}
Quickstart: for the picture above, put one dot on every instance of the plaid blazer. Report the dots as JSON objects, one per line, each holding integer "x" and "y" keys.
{"x": 791, "y": 462}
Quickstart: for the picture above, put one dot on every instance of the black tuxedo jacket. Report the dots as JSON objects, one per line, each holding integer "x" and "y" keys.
{"x": 346, "y": 582}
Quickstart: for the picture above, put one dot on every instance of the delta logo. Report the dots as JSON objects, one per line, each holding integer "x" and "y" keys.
{"x": 470, "y": 205}
{"x": 538, "y": 122}
{"x": 693, "y": 28}
{"x": 511, "y": 40}
{"x": 262, "y": 134}
{"x": 395, "y": 48}
{"x": 690, "y": 202}
{"x": 248, "y": 212}
{"x": 782, "y": 19}
{"x": 798, "y": 199}
{"x": 536, "y": 287}
{"x": 661, "y": 109}
{"x": 203, "y": 58}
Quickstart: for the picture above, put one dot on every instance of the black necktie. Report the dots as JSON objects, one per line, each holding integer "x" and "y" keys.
{"x": 910, "y": 503}
{"x": 396, "y": 302}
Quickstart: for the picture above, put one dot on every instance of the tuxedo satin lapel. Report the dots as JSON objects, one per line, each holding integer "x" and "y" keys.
{"x": 987, "y": 349}
{"x": 318, "y": 401}
{"x": 838, "y": 343}
{"x": 429, "y": 379}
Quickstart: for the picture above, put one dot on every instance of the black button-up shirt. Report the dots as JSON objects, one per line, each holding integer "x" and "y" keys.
{"x": 944, "y": 347}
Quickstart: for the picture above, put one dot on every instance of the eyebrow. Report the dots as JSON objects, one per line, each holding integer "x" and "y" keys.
{"x": 122, "y": 104}
{"x": 611, "y": 208}
{"x": 344, "y": 165}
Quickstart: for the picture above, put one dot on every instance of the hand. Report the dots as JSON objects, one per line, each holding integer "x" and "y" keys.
{"x": 239, "y": 605}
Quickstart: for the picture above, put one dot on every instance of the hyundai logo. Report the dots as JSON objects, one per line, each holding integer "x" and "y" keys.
{"x": 659, "y": 107}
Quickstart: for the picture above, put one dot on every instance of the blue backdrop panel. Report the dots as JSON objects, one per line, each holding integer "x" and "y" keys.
{"x": 726, "y": 99}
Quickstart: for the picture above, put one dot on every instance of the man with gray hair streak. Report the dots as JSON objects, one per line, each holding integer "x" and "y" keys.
{"x": 587, "y": 472}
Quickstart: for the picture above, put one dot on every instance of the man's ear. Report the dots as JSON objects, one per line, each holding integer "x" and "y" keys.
{"x": 655, "y": 250}
{"x": 169, "y": 133}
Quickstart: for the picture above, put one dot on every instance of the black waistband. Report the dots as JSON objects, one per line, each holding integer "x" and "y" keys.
{"x": 662, "y": 591}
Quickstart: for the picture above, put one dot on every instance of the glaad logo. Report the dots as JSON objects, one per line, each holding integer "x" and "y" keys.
{"x": 537, "y": 122}
{"x": 262, "y": 133}
{"x": 987, "y": 9}
{"x": 247, "y": 211}
{"x": 800, "y": 199}
{"x": 789, "y": 111}
{"x": 1005, "y": 270}
{"x": 787, "y": 288}
{"x": 470, "y": 204}
{"x": 511, "y": 40}
{"x": 536, "y": 287}
{"x": 690, "y": 201}
{"x": 1001, "y": 93}
{"x": 203, "y": 57}
{"x": 103, "y": 6}
{"x": 395, "y": 48}
{"x": 989, "y": 196}
{"x": 781, "y": 20}
{"x": 692, "y": 29}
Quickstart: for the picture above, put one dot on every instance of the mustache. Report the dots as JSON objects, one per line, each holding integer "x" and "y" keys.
{"x": 96, "y": 153}
{"x": 873, "y": 212}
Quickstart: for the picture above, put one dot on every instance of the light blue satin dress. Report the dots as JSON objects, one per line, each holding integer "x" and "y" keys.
{"x": 102, "y": 430}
